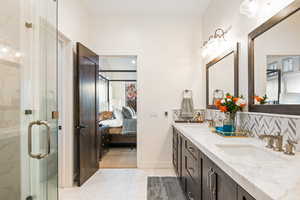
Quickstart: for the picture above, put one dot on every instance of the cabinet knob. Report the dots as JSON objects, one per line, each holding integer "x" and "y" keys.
{"x": 190, "y": 195}
{"x": 191, "y": 169}
{"x": 192, "y": 149}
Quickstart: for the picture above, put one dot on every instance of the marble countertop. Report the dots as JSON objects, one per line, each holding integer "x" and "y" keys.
{"x": 273, "y": 177}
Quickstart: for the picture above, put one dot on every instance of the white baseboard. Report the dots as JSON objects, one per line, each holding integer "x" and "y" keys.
{"x": 155, "y": 165}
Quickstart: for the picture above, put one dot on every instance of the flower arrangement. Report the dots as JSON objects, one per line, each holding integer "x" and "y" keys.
{"x": 231, "y": 104}
{"x": 261, "y": 100}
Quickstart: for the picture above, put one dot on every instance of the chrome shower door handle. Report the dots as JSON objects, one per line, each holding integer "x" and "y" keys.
{"x": 38, "y": 123}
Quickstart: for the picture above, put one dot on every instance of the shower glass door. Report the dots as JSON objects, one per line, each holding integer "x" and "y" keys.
{"x": 28, "y": 100}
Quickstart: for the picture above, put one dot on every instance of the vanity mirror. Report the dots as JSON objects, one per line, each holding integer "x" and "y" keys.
{"x": 222, "y": 76}
{"x": 274, "y": 63}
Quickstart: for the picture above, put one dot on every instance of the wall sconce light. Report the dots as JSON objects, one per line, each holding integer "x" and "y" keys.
{"x": 216, "y": 43}
{"x": 249, "y": 8}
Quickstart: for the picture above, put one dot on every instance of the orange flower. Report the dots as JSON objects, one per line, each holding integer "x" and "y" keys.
{"x": 258, "y": 99}
{"x": 242, "y": 105}
{"x": 229, "y": 97}
{"x": 235, "y": 99}
{"x": 223, "y": 108}
{"x": 218, "y": 103}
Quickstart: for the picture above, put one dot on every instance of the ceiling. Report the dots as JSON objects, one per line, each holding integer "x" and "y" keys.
{"x": 118, "y": 63}
{"x": 146, "y": 7}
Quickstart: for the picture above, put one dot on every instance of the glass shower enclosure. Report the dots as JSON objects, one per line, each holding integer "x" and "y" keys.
{"x": 28, "y": 100}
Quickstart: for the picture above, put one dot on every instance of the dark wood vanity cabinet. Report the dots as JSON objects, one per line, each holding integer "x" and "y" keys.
{"x": 243, "y": 195}
{"x": 216, "y": 185}
{"x": 177, "y": 151}
{"x": 200, "y": 178}
{"x": 191, "y": 170}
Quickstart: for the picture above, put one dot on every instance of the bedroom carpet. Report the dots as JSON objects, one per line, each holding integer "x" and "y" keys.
{"x": 164, "y": 188}
{"x": 119, "y": 158}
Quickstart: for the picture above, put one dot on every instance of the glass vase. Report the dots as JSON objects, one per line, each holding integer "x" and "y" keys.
{"x": 229, "y": 122}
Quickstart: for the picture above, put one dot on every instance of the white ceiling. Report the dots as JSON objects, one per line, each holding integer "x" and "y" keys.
{"x": 147, "y": 7}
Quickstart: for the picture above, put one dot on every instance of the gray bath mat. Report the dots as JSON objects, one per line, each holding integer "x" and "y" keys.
{"x": 164, "y": 188}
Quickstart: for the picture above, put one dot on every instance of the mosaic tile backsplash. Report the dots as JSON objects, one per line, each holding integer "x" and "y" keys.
{"x": 260, "y": 123}
{"x": 176, "y": 113}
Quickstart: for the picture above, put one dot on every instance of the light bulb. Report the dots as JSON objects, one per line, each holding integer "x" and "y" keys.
{"x": 133, "y": 62}
{"x": 18, "y": 54}
{"x": 249, "y": 8}
{"x": 4, "y": 49}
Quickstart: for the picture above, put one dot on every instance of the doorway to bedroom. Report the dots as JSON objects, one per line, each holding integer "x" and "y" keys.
{"x": 117, "y": 98}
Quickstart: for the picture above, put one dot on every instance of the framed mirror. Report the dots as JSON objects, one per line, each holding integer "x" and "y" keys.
{"x": 274, "y": 64}
{"x": 222, "y": 76}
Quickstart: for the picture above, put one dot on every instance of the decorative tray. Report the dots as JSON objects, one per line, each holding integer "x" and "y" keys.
{"x": 219, "y": 131}
{"x": 188, "y": 121}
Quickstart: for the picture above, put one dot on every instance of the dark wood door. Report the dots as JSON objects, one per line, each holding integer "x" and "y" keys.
{"x": 86, "y": 122}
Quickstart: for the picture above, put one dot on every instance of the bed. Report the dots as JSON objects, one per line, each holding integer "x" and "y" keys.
{"x": 122, "y": 129}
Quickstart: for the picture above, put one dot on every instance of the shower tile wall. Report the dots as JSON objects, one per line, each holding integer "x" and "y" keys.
{"x": 9, "y": 131}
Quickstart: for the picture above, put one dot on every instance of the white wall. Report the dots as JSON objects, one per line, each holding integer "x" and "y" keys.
{"x": 73, "y": 18}
{"x": 224, "y": 14}
{"x": 168, "y": 62}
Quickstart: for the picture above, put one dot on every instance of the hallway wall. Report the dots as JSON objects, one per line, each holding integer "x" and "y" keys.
{"x": 73, "y": 20}
{"x": 168, "y": 62}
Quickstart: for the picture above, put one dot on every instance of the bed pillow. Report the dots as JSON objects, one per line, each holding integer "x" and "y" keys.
{"x": 105, "y": 115}
{"x": 133, "y": 112}
{"x": 127, "y": 113}
{"x": 118, "y": 114}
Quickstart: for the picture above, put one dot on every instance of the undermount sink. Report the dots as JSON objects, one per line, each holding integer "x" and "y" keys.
{"x": 199, "y": 126}
{"x": 249, "y": 152}
{"x": 194, "y": 127}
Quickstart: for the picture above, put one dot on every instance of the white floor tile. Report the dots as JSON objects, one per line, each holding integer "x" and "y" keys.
{"x": 115, "y": 184}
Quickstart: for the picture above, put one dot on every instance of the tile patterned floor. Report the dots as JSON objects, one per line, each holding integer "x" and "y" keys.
{"x": 115, "y": 184}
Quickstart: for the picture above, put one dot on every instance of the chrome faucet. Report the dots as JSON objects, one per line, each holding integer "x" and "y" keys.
{"x": 278, "y": 139}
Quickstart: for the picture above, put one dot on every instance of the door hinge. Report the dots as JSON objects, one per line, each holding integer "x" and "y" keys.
{"x": 28, "y": 112}
{"x": 28, "y": 25}
{"x": 55, "y": 115}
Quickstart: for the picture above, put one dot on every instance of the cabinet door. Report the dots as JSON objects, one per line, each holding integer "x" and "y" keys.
{"x": 243, "y": 195}
{"x": 179, "y": 156}
{"x": 223, "y": 186}
{"x": 207, "y": 170}
{"x": 175, "y": 150}
{"x": 216, "y": 185}
{"x": 193, "y": 177}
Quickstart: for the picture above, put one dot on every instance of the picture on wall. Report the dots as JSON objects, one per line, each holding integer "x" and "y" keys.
{"x": 131, "y": 95}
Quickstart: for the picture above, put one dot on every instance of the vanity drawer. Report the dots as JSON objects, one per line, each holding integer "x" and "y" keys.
{"x": 192, "y": 167}
{"x": 191, "y": 148}
{"x": 193, "y": 189}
